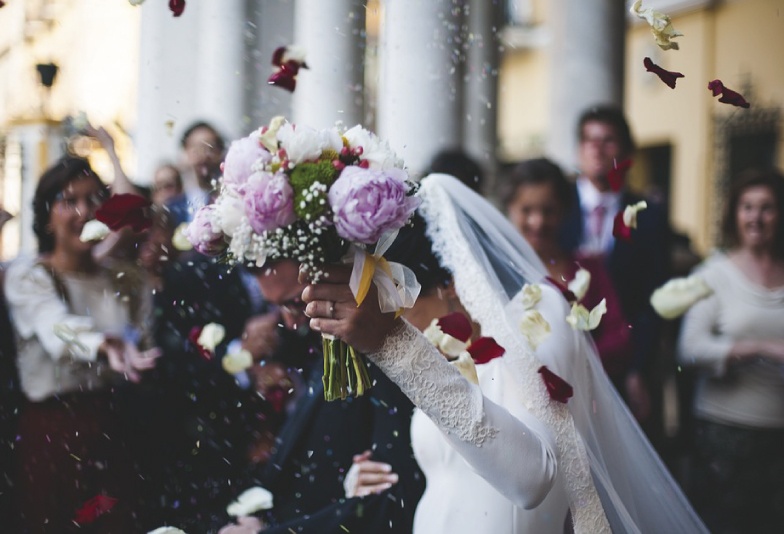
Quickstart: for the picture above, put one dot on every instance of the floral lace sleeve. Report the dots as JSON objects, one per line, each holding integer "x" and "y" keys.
{"x": 485, "y": 434}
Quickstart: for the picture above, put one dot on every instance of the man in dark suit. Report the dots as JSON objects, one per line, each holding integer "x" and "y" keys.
{"x": 317, "y": 444}
{"x": 636, "y": 267}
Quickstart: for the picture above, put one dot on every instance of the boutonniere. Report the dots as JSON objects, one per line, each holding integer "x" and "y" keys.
{"x": 558, "y": 388}
{"x": 206, "y": 338}
{"x": 626, "y": 220}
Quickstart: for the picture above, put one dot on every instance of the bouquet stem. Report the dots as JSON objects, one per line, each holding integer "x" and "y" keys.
{"x": 345, "y": 372}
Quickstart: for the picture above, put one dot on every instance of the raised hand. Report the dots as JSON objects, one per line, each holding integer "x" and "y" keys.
{"x": 333, "y": 310}
{"x": 126, "y": 358}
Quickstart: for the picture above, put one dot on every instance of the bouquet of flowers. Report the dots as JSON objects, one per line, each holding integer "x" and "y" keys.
{"x": 315, "y": 197}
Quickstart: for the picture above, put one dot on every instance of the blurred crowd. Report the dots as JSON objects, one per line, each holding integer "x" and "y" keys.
{"x": 105, "y": 391}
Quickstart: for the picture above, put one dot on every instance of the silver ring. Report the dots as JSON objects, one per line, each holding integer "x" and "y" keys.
{"x": 331, "y": 310}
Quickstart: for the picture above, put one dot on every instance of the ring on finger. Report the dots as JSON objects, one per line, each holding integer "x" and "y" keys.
{"x": 331, "y": 309}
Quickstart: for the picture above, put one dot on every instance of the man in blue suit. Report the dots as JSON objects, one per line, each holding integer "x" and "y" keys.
{"x": 636, "y": 267}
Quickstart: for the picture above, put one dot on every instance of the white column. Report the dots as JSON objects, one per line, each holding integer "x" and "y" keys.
{"x": 221, "y": 68}
{"x": 586, "y": 64}
{"x": 481, "y": 85}
{"x": 419, "y": 101}
{"x": 332, "y": 35}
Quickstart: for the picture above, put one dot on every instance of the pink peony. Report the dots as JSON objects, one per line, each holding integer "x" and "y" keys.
{"x": 243, "y": 154}
{"x": 204, "y": 234}
{"x": 366, "y": 203}
{"x": 269, "y": 201}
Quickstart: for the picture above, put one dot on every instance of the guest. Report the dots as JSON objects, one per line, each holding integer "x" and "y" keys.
{"x": 536, "y": 202}
{"x": 70, "y": 444}
{"x": 636, "y": 267}
{"x": 166, "y": 184}
{"x": 736, "y": 341}
{"x": 202, "y": 153}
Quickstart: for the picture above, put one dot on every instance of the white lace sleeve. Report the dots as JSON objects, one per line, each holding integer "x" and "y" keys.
{"x": 485, "y": 434}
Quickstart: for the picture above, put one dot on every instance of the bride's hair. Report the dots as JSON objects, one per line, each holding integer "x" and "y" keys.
{"x": 414, "y": 249}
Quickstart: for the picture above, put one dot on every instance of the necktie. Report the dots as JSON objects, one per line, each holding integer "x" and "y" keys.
{"x": 596, "y": 223}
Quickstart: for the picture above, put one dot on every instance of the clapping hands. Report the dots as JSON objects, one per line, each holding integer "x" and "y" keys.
{"x": 126, "y": 358}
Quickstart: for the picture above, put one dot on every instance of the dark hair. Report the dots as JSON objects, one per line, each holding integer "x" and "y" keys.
{"x": 536, "y": 172}
{"x": 613, "y": 116}
{"x": 414, "y": 249}
{"x": 457, "y": 163}
{"x": 199, "y": 125}
{"x": 770, "y": 178}
{"x": 52, "y": 183}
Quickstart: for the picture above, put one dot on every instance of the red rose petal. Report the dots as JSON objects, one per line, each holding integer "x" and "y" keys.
{"x": 617, "y": 175}
{"x": 620, "y": 230}
{"x": 125, "y": 210}
{"x": 485, "y": 349}
{"x": 728, "y": 96}
{"x": 563, "y": 288}
{"x": 557, "y": 387}
{"x": 177, "y": 7}
{"x": 667, "y": 76}
{"x": 456, "y": 325}
{"x": 283, "y": 79}
{"x": 94, "y": 508}
{"x": 277, "y": 56}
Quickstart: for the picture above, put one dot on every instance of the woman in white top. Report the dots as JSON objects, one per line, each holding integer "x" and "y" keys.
{"x": 735, "y": 339}
{"x": 77, "y": 336}
{"x": 503, "y": 456}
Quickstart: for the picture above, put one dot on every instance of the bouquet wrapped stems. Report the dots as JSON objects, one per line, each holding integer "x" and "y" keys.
{"x": 345, "y": 372}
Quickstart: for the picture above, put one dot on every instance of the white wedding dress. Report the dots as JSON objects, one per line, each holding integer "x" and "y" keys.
{"x": 502, "y": 456}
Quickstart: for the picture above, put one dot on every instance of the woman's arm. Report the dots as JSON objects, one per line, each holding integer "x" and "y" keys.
{"x": 516, "y": 456}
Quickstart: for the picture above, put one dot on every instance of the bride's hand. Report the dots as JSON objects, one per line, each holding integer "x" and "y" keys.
{"x": 333, "y": 310}
{"x": 367, "y": 477}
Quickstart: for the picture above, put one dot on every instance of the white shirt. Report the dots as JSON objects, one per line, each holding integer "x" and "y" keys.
{"x": 590, "y": 199}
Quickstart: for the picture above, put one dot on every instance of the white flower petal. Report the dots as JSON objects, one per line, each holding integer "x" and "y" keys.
{"x": 433, "y": 333}
{"x": 630, "y": 213}
{"x": 269, "y": 139}
{"x": 236, "y": 362}
{"x": 451, "y": 346}
{"x": 211, "y": 336}
{"x": 530, "y": 295}
{"x": 581, "y": 319}
{"x": 465, "y": 364}
{"x": 660, "y": 24}
{"x": 580, "y": 284}
{"x": 534, "y": 327}
{"x": 94, "y": 230}
{"x": 250, "y": 502}
{"x": 180, "y": 239}
{"x": 166, "y": 530}
{"x": 675, "y": 297}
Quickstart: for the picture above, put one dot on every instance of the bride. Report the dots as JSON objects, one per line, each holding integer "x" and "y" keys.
{"x": 502, "y": 456}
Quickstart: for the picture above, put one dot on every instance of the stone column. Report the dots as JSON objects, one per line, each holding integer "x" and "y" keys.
{"x": 480, "y": 136}
{"x": 331, "y": 89}
{"x": 420, "y": 93}
{"x": 586, "y": 65}
{"x": 221, "y": 68}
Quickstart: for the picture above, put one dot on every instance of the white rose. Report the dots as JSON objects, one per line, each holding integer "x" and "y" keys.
{"x": 250, "y": 502}
{"x": 534, "y": 327}
{"x": 93, "y": 230}
{"x": 581, "y": 319}
{"x": 166, "y": 530}
{"x": 530, "y": 295}
{"x": 229, "y": 211}
{"x": 675, "y": 297}
{"x": 211, "y": 336}
{"x": 630, "y": 213}
{"x": 580, "y": 284}
{"x": 465, "y": 364}
{"x": 377, "y": 152}
{"x": 304, "y": 143}
{"x": 236, "y": 362}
